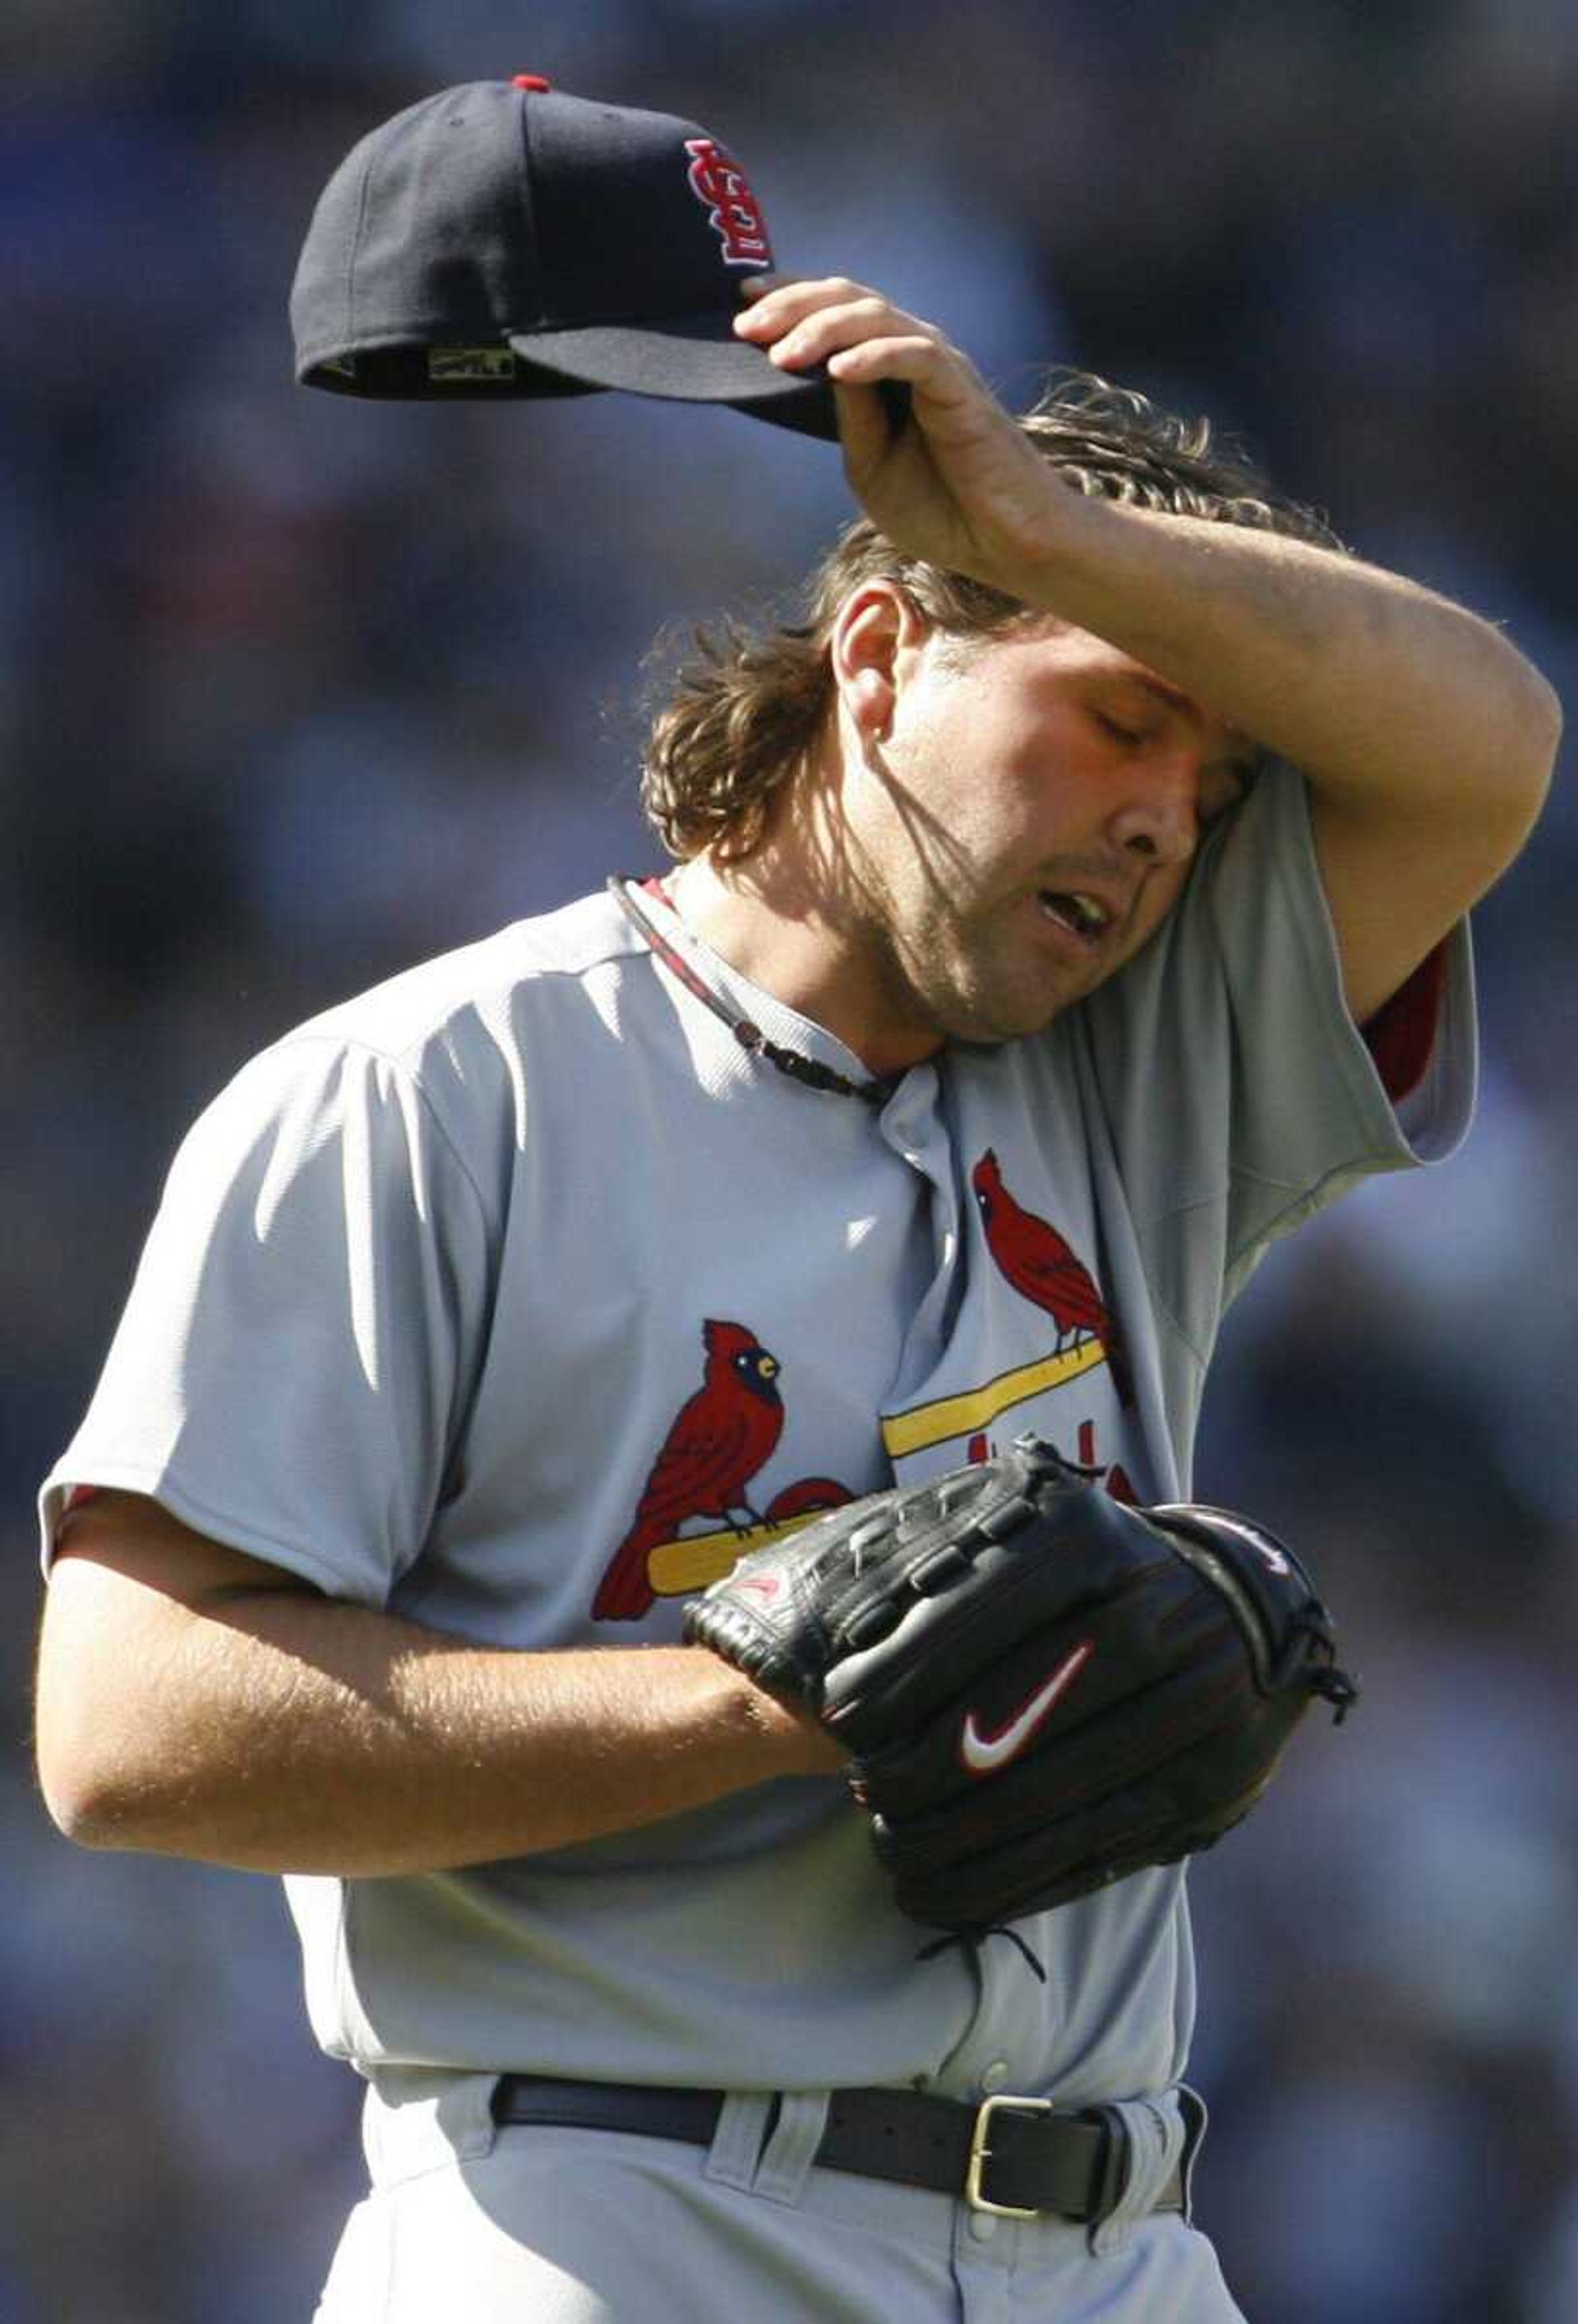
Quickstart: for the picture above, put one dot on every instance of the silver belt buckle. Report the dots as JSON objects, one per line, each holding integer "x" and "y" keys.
{"x": 981, "y": 2155}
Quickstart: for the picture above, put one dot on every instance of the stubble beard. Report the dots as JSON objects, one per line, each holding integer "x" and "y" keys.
{"x": 945, "y": 976}
{"x": 934, "y": 967}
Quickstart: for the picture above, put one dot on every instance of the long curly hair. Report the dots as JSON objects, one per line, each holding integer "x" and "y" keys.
{"x": 748, "y": 703}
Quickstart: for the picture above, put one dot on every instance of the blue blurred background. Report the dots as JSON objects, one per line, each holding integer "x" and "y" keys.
{"x": 293, "y": 690}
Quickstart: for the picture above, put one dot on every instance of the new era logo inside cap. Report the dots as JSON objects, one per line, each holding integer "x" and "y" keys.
{"x": 505, "y": 239}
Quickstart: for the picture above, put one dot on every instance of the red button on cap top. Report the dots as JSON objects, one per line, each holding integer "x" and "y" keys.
{"x": 530, "y": 80}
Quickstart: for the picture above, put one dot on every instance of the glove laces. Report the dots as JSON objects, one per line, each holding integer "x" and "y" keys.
{"x": 1336, "y": 1687}
{"x": 972, "y": 1940}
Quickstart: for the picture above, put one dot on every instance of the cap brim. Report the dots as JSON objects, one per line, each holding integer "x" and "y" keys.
{"x": 688, "y": 359}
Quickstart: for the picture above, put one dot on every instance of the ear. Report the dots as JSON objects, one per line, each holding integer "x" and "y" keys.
{"x": 876, "y": 642}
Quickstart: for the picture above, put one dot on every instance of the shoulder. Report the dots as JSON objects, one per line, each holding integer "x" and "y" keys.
{"x": 449, "y": 1045}
{"x": 466, "y": 1031}
{"x": 470, "y": 994}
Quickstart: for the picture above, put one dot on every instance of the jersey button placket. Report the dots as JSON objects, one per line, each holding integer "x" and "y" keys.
{"x": 914, "y": 1129}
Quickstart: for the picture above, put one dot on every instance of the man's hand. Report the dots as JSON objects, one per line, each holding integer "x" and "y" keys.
{"x": 957, "y": 484}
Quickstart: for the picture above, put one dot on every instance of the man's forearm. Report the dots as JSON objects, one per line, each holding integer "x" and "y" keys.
{"x": 1377, "y": 690}
{"x": 281, "y": 1731}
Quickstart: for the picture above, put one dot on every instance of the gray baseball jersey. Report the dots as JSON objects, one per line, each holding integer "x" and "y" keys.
{"x": 449, "y": 1286}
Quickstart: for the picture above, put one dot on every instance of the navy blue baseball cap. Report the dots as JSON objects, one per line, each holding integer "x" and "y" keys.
{"x": 503, "y": 239}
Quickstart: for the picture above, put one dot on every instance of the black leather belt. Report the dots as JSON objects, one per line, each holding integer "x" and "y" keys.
{"x": 1010, "y": 2156}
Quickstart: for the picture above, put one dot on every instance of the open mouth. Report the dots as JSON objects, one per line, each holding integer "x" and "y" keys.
{"x": 1085, "y": 917}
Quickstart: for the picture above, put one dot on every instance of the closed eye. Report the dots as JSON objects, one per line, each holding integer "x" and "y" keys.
{"x": 1118, "y": 729}
{"x": 1222, "y": 785}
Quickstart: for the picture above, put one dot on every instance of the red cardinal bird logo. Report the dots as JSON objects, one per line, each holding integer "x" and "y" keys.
{"x": 720, "y": 1439}
{"x": 1035, "y": 1259}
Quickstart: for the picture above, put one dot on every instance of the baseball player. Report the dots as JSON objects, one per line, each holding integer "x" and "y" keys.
{"x": 1009, "y": 993}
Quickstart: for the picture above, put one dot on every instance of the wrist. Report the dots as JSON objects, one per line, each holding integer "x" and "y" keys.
{"x": 778, "y": 1739}
{"x": 1056, "y": 560}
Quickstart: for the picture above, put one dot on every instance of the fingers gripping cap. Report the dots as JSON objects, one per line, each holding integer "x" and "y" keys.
{"x": 504, "y": 239}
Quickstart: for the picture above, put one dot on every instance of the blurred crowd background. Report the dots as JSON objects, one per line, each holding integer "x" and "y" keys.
{"x": 294, "y": 690}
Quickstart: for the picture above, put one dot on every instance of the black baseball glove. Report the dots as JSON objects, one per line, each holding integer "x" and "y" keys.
{"x": 1040, "y": 1689}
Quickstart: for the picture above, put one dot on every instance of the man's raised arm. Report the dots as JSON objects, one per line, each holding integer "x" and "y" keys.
{"x": 1427, "y": 739}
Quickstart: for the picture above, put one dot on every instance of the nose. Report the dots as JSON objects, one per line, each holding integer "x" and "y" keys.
{"x": 1158, "y": 818}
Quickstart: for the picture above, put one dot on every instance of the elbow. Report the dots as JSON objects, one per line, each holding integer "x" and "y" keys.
{"x": 89, "y": 1800}
{"x": 1545, "y": 720}
{"x": 69, "y": 1759}
{"x": 99, "y": 1809}
{"x": 1517, "y": 759}
{"x": 97, "y": 1762}
{"x": 150, "y": 1776}
{"x": 85, "y": 1828}
{"x": 1538, "y": 739}
{"x": 116, "y": 1713}
{"x": 81, "y": 1809}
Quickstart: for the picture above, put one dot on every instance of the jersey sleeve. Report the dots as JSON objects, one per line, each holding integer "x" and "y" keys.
{"x": 292, "y": 1366}
{"x": 1241, "y": 1095}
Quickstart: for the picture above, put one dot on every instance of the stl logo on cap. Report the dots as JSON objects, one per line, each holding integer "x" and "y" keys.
{"x": 732, "y": 209}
